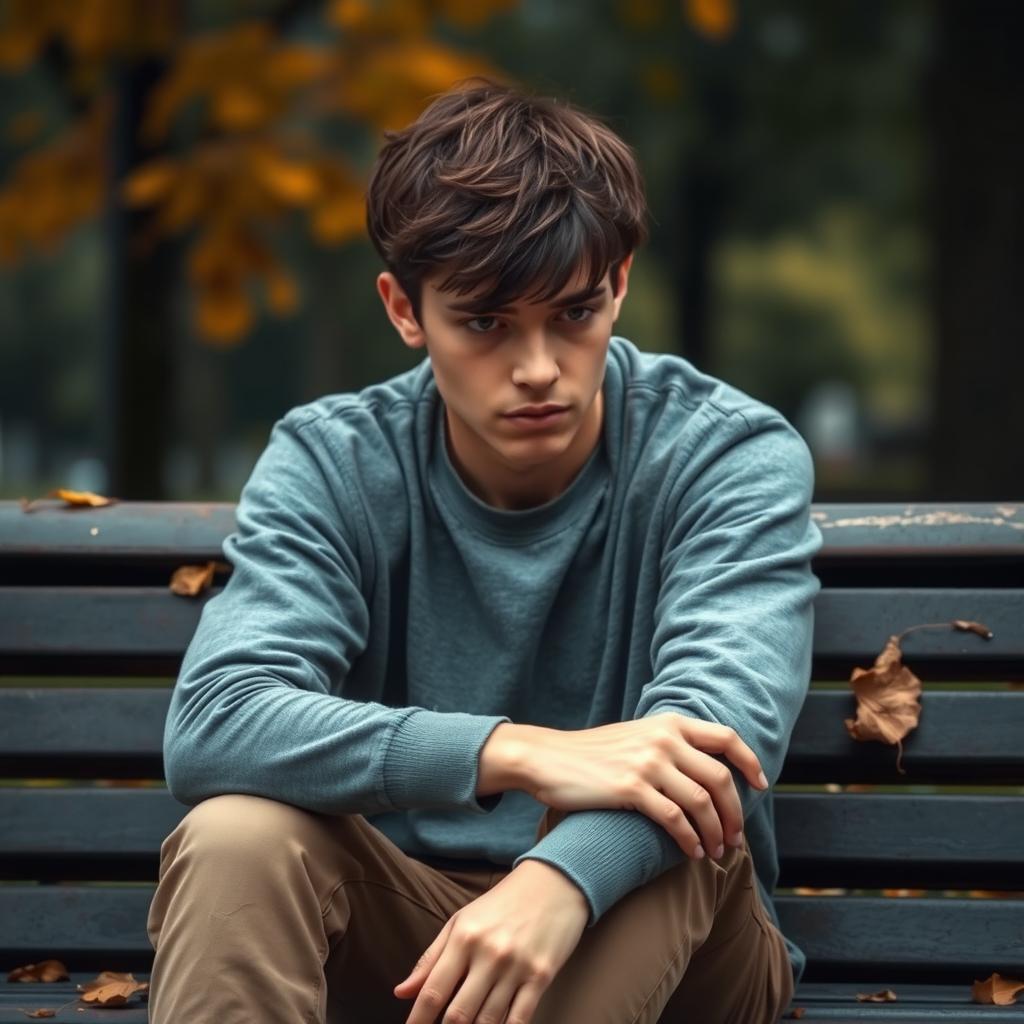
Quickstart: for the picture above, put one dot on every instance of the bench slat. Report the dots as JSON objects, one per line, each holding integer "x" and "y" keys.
{"x": 125, "y": 630}
{"x": 149, "y": 530}
{"x": 964, "y": 531}
{"x": 69, "y": 732}
{"x": 952, "y": 940}
{"x": 866, "y": 840}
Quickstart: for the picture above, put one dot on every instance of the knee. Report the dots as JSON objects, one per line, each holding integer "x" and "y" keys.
{"x": 236, "y": 825}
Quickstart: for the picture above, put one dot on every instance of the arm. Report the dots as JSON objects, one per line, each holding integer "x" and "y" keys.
{"x": 256, "y": 707}
{"x": 731, "y": 645}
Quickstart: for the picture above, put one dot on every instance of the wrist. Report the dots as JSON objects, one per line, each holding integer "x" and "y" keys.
{"x": 505, "y": 758}
{"x": 549, "y": 873}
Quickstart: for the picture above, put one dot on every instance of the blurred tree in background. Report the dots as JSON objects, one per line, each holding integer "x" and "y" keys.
{"x": 836, "y": 218}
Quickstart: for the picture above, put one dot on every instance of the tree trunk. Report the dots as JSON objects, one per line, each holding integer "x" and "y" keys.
{"x": 140, "y": 324}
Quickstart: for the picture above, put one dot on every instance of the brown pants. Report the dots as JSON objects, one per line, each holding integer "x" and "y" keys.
{"x": 266, "y": 912}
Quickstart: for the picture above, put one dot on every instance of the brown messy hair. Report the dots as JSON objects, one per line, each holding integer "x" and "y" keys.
{"x": 509, "y": 192}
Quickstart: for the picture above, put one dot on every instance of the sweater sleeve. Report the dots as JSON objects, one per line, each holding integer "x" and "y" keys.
{"x": 732, "y": 641}
{"x": 257, "y": 705}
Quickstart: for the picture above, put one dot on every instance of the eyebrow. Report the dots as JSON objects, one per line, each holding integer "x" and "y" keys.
{"x": 478, "y": 305}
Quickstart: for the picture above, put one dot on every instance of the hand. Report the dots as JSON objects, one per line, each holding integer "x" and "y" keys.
{"x": 659, "y": 765}
{"x": 505, "y": 947}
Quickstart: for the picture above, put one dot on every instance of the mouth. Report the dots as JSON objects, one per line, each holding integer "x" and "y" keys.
{"x": 547, "y": 416}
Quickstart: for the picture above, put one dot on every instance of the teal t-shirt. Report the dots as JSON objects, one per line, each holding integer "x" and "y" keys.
{"x": 380, "y": 620}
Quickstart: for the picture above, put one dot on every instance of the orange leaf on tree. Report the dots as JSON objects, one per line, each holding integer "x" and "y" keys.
{"x": 224, "y": 313}
{"x": 282, "y": 292}
{"x": 713, "y": 18}
{"x": 150, "y": 182}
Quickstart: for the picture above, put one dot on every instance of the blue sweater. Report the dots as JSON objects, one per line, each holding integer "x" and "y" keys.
{"x": 381, "y": 620}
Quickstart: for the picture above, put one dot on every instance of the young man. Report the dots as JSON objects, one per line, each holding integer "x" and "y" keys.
{"x": 475, "y": 731}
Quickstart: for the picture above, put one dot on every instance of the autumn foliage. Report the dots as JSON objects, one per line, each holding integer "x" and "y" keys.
{"x": 231, "y": 129}
{"x": 231, "y": 134}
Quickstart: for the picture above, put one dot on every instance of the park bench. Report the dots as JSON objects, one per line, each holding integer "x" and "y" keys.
{"x": 84, "y": 594}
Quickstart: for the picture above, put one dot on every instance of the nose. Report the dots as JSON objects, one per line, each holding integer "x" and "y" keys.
{"x": 535, "y": 364}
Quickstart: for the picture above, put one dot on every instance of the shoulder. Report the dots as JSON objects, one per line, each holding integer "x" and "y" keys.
{"x": 692, "y": 422}
{"x": 384, "y": 408}
{"x": 682, "y": 386}
{"x": 363, "y": 447}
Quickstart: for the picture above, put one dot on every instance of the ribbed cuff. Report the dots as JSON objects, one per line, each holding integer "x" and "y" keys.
{"x": 606, "y": 853}
{"x": 433, "y": 760}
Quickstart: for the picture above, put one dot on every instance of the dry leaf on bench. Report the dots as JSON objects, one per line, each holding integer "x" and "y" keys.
{"x": 997, "y": 990}
{"x": 45, "y": 970}
{"x": 191, "y": 580}
{"x": 887, "y": 700}
{"x": 888, "y": 693}
{"x": 111, "y": 988}
{"x": 885, "y": 996}
{"x": 75, "y": 499}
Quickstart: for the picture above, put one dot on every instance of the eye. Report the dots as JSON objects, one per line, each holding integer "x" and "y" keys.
{"x": 487, "y": 321}
{"x": 588, "y": 310}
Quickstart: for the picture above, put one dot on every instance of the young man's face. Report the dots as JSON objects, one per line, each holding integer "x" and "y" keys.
{"x": 490, "y": 366}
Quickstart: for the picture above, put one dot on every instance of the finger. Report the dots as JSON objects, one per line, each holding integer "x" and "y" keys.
{"x": 411, "y": 983}
{"x": 498, "y": 1000}
{"x": 439, "y": 986}
{"x": 670, "y": 815}
{"x": 713, "y": 738}
{"x": 706, "y": 788}
{"x": 477, "y": 987}
{"x": 526, "y": 1001}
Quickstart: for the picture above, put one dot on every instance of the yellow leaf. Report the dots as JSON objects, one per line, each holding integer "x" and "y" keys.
{"x": 472, "y": 14}
{"x": 81, "y": 498}
{"x": 288, "y": 181}
{"x": 223, "y": 314}
{"x": 349, "y": 14}
{"x": 282, "y": 292}
{"x": 237, "y": 108}
{"x": 149, "y": 183}
{"x": 18, "y": 49}
{"x": 715, "y": 19}
{"x": 191, "y": 580}
{"x": 339, "y": 219}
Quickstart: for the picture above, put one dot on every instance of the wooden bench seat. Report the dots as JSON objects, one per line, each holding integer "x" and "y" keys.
{"x": 84, "y": 597}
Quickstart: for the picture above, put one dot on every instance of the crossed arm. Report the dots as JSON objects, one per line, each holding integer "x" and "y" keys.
{"x": 509, "y": 943}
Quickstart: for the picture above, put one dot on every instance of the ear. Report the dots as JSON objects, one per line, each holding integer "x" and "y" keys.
{"x": 399, "y": 310}
{"x": 624, "y": 266}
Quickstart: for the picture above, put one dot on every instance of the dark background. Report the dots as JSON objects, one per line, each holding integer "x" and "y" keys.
{"x": 837, "y": 224}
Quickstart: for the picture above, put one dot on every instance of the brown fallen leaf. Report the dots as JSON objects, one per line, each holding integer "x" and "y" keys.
{"x": 75, "y": 499}
{"x": 996, "y": 990}
{"x": 885, "y": 996}
{"x": 191, "y": 580}
{"x": 45, "y": 970}
{"x": 41, "y": 1012}
{"x": 111, "y": 988}
{"x": 887, "y": 700}
{"x": 888, "y": 704}
{"x": 796, "y": 1013}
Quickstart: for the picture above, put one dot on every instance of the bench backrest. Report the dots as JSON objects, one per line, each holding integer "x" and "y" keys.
{"x": 84, "y": 594}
